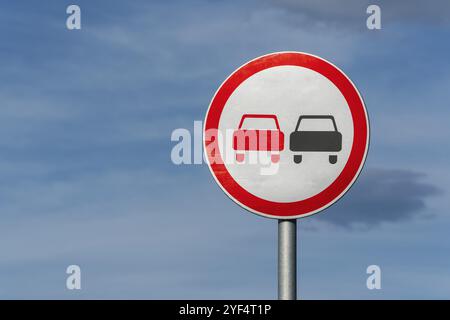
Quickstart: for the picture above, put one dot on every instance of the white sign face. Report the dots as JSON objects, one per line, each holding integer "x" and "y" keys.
{"x": 292, "y": 135}
{"x": 289, "y": 92}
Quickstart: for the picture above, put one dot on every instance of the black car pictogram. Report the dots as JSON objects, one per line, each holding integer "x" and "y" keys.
{"x": 308, "y": 140}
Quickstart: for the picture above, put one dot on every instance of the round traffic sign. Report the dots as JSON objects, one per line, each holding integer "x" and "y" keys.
{"x": 286, "y": 135}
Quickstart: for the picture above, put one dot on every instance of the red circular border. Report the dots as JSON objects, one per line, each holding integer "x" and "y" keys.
{"x": 357, "y": 154}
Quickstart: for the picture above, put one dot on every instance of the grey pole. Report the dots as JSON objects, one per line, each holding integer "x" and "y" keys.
{"x": 287, "y": 259}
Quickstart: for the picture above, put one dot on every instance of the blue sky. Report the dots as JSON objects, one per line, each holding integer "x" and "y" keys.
{"x": 85, "y": 124}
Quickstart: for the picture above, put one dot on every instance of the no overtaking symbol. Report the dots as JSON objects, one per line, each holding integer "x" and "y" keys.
{"x": 310, "y": 120}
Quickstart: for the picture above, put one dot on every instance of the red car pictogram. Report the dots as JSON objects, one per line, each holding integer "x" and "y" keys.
{"x": 252, "y": 136}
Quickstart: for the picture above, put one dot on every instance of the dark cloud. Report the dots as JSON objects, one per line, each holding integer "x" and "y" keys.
{"x": 354, "y": 11}
{"x": 379, "y": 196}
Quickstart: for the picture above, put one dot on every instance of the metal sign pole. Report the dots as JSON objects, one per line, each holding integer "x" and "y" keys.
{"x": 287, "y": 259}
